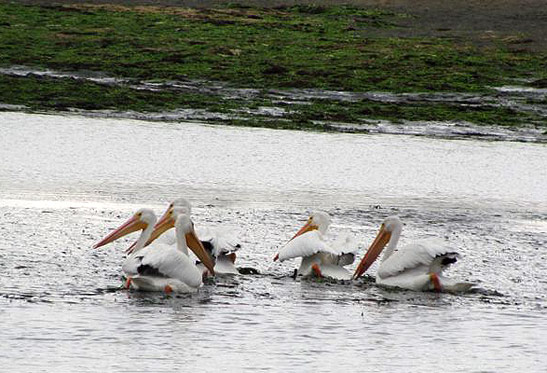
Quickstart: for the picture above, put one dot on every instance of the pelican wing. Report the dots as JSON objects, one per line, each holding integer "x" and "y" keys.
{"x": 346, "y": 248}
{"x": 345, "y": 244}
{"x": 167, "y": 261}
{"x": 221, "y": 240}
{"x": 432, "y": 255}
{"x": 307, "y": 244}
{"x": 131, "y": 264}
{"x": 205, "y": 234}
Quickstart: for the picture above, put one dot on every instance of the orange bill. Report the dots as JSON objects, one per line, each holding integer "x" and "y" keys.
{"x": 306, "y": 228}
{"x": 373, "y": 252}
{"x": 166, "y": 215}
{"x": 165, "y": 223}
{"x": 130, "y": 226}
{"x": 196, "y": 246}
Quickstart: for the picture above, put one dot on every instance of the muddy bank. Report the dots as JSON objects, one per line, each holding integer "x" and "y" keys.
{"x": 282, "y": 108}
{"x": 300, "y": 67}
{"x": 522, "y": 22}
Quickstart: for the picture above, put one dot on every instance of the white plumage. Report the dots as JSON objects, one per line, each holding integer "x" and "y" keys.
{"x": 346, "y": 248}
{"x": 222, "y": 244}
{"x": 319, "y": 257}
{"x": 307, "y": 244}
{"x": 159, "y": 267}
{"x": 223, "y": 240}
{"x": 417, "y": 266}
{"x": 426, "y": 253}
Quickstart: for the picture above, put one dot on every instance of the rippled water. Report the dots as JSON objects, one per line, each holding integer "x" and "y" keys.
{"x": 66, "y": 181}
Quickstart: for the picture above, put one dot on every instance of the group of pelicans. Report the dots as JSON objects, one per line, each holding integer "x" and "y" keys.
{"x": 159, "y": 260}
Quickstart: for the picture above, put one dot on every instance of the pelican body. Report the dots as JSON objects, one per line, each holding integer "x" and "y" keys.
{"x": 221, "y": 245}
{"x": 319, "y": 258}
{"x": 417, "y": 266}
{"x": 161, "y": 267}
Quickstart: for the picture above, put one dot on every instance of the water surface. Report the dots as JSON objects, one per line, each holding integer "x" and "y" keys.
{"x": 66, "y": 181}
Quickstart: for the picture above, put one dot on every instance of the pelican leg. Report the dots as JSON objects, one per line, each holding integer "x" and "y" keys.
{"x": 436, "y": 282}
{"x": 232, "y": 257}
{"x": 316, "y": 270}
{"x": 205, "y": 274}
{"x": 128, "y": 282}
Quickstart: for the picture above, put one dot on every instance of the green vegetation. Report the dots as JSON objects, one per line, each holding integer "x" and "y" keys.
{"x": 338, "y": 48}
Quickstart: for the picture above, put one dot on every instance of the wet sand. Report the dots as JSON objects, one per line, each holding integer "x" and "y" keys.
{"x": 521, "y": 23}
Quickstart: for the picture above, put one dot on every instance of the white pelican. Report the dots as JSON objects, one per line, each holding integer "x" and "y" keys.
{"x": 417, "y": 266}
{"x": 165, "y": 235}
{"x": 318, "y": 257}
{"x": 161, "y": 267}
{"x": 219, "y": 243}
{"x": 222, "y": 246}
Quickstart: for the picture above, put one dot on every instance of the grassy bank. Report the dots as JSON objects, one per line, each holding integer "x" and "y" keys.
{"x": 337, "y": 48}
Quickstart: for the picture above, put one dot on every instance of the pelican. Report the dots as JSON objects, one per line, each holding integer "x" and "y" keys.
{"x": 417, "y": 266}
{"x": 220, "y": 244}
{"x": 161, "y": 267}
{"x": 318, "y": 257}
{"x": 165, "y": 235}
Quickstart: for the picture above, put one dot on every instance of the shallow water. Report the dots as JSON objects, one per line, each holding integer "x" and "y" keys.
{"x": 522, "y": 99}
{"x": 66, "y": 181}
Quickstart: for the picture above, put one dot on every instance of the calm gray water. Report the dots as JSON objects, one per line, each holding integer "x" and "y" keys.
{"x": 66, "y": 181}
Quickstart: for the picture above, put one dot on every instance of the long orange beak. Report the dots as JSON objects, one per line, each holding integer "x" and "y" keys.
{"x": 130, "y": 226}
{"x": 165, "y": 217}
{"x": 306, "y": 228}
{"x": 165, "y": 223}
{"x": 196, "y": 246}
{"x": 160, "y": 227}
{"x": 168, "y": 214}
{"x": 374, "y": 250}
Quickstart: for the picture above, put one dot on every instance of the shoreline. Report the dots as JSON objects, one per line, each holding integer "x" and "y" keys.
{"x": 303, "y": 67}
{"x": 434, "y": 130}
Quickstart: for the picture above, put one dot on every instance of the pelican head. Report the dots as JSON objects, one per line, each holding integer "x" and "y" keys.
{"x": 318, "y": 220}
{"x": 181, "y": 204}
{"x": 183, "y": 223}
{"x": 141, "y": 220}
{"x": 178, "y": 217}
{"x": 390, "y": 225}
